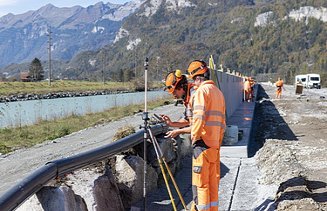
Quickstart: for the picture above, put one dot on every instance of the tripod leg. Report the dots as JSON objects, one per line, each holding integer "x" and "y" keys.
{"x": 167, "y": 184}
{"x": 144, "y": 169}
{"x": 159, "y": 153}
{"x": 159, "y": 157}
{"x": 175, "y": 184}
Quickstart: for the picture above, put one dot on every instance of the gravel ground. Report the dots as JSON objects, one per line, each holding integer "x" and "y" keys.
{"x": 293, "y": 133}
{"x": 19, "y": 164}
{"x": 290, "y": 148}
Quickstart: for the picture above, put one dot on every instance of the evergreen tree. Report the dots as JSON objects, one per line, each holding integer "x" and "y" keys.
{"x": 36, "y": 70}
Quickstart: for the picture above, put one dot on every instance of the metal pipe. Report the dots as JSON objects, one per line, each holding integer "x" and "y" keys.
{"x": 51, "y": 170}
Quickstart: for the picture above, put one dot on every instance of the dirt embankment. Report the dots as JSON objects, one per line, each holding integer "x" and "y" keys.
{"x": 292, "y": 132}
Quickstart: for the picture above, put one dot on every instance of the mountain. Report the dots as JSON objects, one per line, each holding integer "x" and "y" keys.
{"x": 286, "y": 37}
{"x": 73, "y": 30}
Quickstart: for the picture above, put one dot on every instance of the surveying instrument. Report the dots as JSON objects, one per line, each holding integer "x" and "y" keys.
{"x": 149, "y": 137}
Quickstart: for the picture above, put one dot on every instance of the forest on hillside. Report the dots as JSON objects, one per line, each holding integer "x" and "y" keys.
{"x": 171, "y": 39}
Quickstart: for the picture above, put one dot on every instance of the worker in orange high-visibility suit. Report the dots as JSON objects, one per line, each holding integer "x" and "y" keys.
{"x": 279, "y": 85}
{"x": 247, "y": 90}
{"x": 177, "y": 84}
{"x": 207, "y": 131}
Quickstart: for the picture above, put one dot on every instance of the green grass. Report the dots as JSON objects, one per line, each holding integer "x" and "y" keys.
{"x": 14, "y": 88}
{"x": 27, "y": 136}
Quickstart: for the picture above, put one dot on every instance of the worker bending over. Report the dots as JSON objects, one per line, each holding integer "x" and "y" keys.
{"x": 177, "y": 85}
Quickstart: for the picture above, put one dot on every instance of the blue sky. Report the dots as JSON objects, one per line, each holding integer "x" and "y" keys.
{"x": 21, "y": 6}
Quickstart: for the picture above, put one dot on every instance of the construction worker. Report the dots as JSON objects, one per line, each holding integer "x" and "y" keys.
{"x": 279, "y": 84}
{"x": 177, "y": 85}
{"x": 207, "y": 131}
{"x": 247, "y": 90}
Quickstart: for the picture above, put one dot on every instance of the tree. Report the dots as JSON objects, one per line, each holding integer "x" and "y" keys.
{"x": 36, "y": 70}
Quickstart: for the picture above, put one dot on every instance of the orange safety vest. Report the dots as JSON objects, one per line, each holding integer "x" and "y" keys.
{"x": 247, "y": 86}
{"x": 280, "y": 83}
{"x": 208, "y": 120}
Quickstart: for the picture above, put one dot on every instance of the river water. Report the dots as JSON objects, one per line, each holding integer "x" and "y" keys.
{"x": 15, "y": 114}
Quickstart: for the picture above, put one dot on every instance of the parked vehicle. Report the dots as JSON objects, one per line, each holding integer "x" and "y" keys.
{"x": 309, "y": 80}
{"x": 300, "y": 79}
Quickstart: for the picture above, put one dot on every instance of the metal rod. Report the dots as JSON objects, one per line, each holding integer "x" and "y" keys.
{"x": 145, "y": 118}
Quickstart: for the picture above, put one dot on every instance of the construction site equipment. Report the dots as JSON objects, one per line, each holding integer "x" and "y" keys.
{"x": 161, "y": 161}
{"x": 299, "y": 88}
{"x": 148, "y": 136}
{"x": 145, "y": 118}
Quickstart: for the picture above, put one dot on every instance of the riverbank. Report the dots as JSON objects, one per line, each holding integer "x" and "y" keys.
{"x": 44, "y": 130}
{"x": 20, "y": 163}
{"x": 21, "y": 91}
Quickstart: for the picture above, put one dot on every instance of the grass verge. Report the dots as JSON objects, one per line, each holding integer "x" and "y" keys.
{"x": 27, "y": 136}
{"x": 16, "y": 88}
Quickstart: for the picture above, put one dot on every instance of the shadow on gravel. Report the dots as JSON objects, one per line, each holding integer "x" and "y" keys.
{"x": 223, "y": 170}
{"x": 298, "y": 188}
{"x": 267, "y": 205}
{"x": 267, "y": 124}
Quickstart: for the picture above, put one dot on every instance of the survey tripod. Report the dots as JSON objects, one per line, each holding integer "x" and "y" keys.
{"x": 149, "y": 137}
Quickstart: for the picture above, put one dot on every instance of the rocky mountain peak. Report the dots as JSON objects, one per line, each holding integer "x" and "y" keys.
{"x": 74, "y": 29}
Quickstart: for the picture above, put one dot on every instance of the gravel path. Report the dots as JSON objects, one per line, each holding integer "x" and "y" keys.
{"x": 19, "y": 164}
{"x": 294, "y": 130}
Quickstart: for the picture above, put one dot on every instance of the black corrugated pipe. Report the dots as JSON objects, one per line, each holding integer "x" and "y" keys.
{"x": 30, "y": 185}
{"x": 67, "y": 165}
{"x": 34, "y": 182}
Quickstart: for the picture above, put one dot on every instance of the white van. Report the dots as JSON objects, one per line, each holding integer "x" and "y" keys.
{"x": 309, "y": 80}
{"x": 301, "y": 79}
{"x": 313, "y": 81}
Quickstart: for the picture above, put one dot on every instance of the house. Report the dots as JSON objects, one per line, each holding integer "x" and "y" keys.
{"x": 25, "y": 77}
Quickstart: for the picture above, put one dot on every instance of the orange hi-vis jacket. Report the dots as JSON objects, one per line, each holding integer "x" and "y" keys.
{"x": 208, "y": 119}
{"x": 247, "y": 86}
{"x": 280, "y": 83}
{"x": 188, "y": 109}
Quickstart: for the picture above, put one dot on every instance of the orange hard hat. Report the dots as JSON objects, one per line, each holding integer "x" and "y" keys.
{"x": 197, "y": 67}
{"x": 173, "y": 79}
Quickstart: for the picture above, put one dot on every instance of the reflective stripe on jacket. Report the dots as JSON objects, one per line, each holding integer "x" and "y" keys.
{"x": 188, "y": 109}
{"x": 208, "y": 121}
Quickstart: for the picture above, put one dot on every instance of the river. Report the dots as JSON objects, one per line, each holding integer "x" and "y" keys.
{"x": 19, "y": 113}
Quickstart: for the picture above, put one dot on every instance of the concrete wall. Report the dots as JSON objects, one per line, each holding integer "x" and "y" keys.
{"x": 232, "y": 87}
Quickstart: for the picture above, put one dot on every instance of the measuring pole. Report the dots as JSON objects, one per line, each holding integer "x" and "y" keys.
{"x": 145, "y": 118}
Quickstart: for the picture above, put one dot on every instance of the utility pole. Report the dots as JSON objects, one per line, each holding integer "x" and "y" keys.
{"x": 103, "y": 61}
{"x": 49, "y": 53}
{"x": 135, "y": 63}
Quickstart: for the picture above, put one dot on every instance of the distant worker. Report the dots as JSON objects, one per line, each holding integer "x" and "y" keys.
{"x": 207, "y": 131}
{"x": 279, "y": 84}
{"x": 177, "y": 85}
{"x": 247, "y": 90}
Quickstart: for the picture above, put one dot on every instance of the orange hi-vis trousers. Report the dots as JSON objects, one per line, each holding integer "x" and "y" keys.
{"x": 205, "y": 177}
